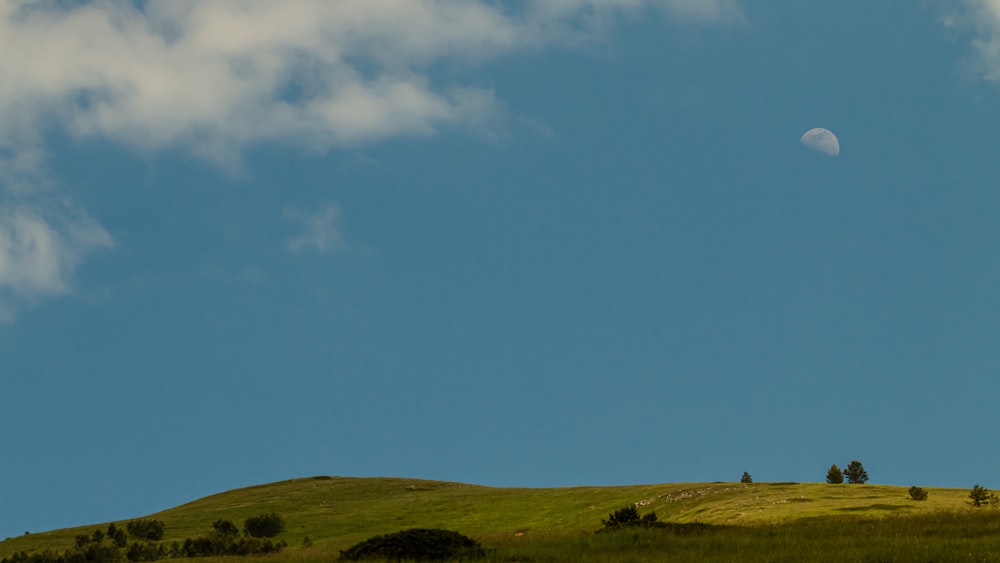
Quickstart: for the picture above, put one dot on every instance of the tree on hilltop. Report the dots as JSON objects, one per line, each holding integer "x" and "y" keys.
{"x": 834, "y": 475}
{"x": 746, "y": 478}
{"x": 856, "y": 473}
{"x": 979, "y": 495}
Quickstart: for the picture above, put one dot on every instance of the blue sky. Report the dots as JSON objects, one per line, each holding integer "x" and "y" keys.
{"x": 538, "y": 243}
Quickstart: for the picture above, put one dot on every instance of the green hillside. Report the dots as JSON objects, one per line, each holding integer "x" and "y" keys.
{"x": 336, "y": 512}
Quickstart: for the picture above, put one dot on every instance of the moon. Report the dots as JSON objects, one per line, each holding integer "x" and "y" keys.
{"x": 821, "y": 140}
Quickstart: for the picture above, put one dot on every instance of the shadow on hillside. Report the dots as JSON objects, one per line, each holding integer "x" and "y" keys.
{"x": 888, "y": 507}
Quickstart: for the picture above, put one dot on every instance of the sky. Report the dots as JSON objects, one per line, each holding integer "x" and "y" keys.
{"x": 527, "y": 243}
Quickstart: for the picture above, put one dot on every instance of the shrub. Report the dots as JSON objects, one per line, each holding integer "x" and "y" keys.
{"x": 856, "y": 473}
{"x": 918, "y": 493}
{"x": 979, "y": 496}
{"x": 834, "y": 475}
{"x": 225, "y": 528}
{"x": 746, "y": 478}
{"x": 146, "y": 529}
{"x": 138, "y": 551}
{"x": 419, "y": 544}
{"x": 264, "y": 525}
{"x": 628, "y": 517}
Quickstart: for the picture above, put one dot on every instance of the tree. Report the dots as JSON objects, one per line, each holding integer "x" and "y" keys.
{"x": 979, "y": 495}
{"x": 264, "y": 525}
{"x": 834, "y": 475}
{"x": 856, "y": 473}
{"x": 746, "y": 478}
{"x": 918, "y": 493}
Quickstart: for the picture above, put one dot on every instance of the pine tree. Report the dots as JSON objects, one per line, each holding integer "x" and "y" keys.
{"x": 979, "y": 495}
{"x": 856, "y": 473}
{"x": 834, "y": 475}
{"x": 746, "y": 478}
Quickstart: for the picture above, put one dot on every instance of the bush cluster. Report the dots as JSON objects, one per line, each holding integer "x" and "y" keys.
{"x": 112, "y": 546}
{"x": 629, "y": 517}
{"x": 416, "y": 544}
{"x": 264, "y": 525}
{"x": 146, "y": 528}
{"x": 918, "y": 493}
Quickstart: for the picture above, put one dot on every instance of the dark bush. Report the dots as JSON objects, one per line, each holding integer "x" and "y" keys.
{"x": 628, "y": 517}
{"x": 918, "y": 493}
{"x": 146, "y": 529}
{"x": 264, "y": 525}
{"x": 746, "y": 478}
{"x": 417, "y": 544}
{"x": 102, "y": 553}
{"x": 120, "y": 538}
{"x": 226, "y": 528}
{"x": 138, "y": 551}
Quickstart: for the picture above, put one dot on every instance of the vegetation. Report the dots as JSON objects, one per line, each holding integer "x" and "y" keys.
{"x": 147, "y": 529}
{"x": 113, "y": 546}
{"x": 701, "y": 522}
{"x": 417, "y": 544}
{"x": 628, "y": 517}
{"x": 979, "y": 496}
{"x": 918, "y": 493}
{"x": 834, "y": 475}
{"x": 855, "y": 473}
{"x": 264, "y": 525}
{"x": 746, "y": 478}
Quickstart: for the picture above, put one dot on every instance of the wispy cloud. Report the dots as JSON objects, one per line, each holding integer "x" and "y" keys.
{"x": 40, "y": 250}
{"x": 319, "y": 229}
{"x": 982, "y": 17}
{"x": 213, "y": 78}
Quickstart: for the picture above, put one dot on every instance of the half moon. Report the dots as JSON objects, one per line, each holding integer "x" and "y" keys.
{"x": 821, "y": 140}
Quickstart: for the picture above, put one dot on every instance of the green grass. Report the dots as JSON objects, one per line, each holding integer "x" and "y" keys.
{"x": 558, "y": 524}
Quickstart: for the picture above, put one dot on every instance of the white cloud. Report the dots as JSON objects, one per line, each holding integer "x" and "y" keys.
{"x": 41, "y": 248}
{"x": 219, "y": 75}
{"x": 320, "y": 229}
{"x": 213, "y": 77}
{"x": 983, "y": 16}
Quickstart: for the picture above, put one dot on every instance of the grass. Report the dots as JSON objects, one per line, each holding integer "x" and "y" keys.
{"x": 812, "y": 520}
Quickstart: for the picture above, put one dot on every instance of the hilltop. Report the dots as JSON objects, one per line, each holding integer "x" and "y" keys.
{"x": 336, "y": 512}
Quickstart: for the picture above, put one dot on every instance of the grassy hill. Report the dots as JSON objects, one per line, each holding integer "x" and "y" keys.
{"x": 336, "y": 512}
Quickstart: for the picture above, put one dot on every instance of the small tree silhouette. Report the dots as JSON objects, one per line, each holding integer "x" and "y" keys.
{"x": 834, "y": 475}
{"x": 746, "y": 478}
{"x": 918, "y": 493}
{"x": 979, "y": 495}
{"x": 856, "y": 473}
